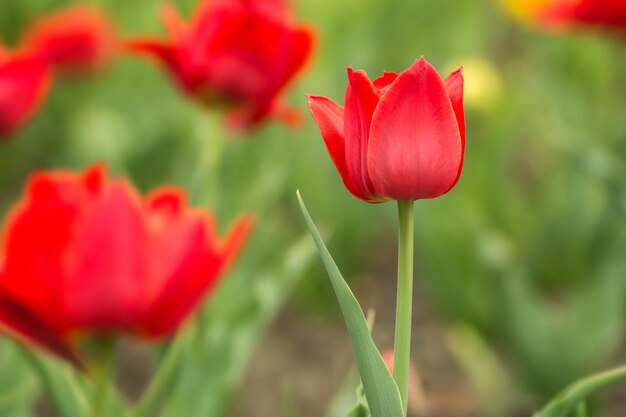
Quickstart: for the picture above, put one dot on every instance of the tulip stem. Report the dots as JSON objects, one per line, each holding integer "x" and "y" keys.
{"x": 404, "y": 300}
{"x": 103, "y": 376}
{"x": 205, "y": 178}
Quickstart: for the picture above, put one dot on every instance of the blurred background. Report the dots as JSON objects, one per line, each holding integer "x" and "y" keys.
{"x": 520, "y": 270}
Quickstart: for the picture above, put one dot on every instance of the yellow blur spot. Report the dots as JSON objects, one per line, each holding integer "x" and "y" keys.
{"x": 483, "y": 86}
{"x": 526, "y": 9}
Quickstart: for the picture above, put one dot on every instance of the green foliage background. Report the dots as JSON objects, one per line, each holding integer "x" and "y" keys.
{"x": 528, "y": 249}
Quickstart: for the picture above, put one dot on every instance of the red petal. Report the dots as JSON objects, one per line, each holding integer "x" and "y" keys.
{"x": 79, "y": 37}
{"x": 107, "y": 273}
{"x": 39, "y": 232}
{"x": 385, "y": 80}
{"x": 361, "y": 100}
{"x": 20, "y": 321}
{"x": 174, "y": 23}
{"x": 251, "y": 52}
{"x": 329, "y": 118}
{"x": 415, "y": 147}
{"x": 454, "y": 86}
{"x": 194, "y": 271}
{"x": 24, "y": 83}
{"x": 161, "y": 50}
{"x": 294, "y": 56}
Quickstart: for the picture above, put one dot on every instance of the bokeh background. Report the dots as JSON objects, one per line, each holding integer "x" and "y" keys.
{"x": 521, "y": 269}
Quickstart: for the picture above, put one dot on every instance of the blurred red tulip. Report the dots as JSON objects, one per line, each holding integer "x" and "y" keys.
{"x": 24, "y": 83}
{"x": 401, "y": 137}
{"x": 607, "y": 13}
{"x": 235, "y": 53}
{"x": 87, "y": 255}
{"x": 76, "y": 38}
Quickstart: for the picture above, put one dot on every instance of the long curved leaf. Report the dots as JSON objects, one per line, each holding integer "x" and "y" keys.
{"x": 381, "y": 391}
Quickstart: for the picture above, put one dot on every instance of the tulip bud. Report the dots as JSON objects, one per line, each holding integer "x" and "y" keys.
{"x": 400, "y": 137}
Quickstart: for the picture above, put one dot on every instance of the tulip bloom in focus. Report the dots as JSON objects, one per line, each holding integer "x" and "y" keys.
{"x": 607, "y": 13}
{"x": 239, "y": 54}
{"x": 83, "y": 254}
{"x": 77, "y": 38}
{"x": 399, "y": 137}
{"x": 24, "y": 83}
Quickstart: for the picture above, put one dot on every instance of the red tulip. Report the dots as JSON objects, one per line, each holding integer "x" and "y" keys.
{"x": 24, "y": 83}
{"x": 77, "y": 38}
{"x": 87, "y": 255}
{"x": 400, "y": 137}
{"x": 234, "y": 53}
{"x": 607, "y": 13}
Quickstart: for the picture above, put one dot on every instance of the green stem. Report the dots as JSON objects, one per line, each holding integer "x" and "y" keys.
{"x": 404, "y": 300}
{"x": 204, "y": 179}
{"x": 103, "y": 377}
{"x": 581, "y": 410}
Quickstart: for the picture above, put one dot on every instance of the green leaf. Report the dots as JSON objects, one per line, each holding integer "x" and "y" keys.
{"x": 55, "y": 382}
{"x": 70, "y": 392}
{"x": 381, "y": 391}
{"x": 567, "y": 400}
{"x": 18, "y": 386}
{"x": 349, "y": 401}
{"x": 361, "y": 409}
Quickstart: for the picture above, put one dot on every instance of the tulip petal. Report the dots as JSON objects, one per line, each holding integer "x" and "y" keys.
{"x": 108, "y": 292}
{"x": 415, "y": 146}
{"x": 24, "y": 84}
{"x": 22, "y": 324}
{"x": 329, "y": 117}
{"x": 78, "y": 37}
{"x": 385, "y": 80}
{"x": 361, "y": 100}
{"x": 158, "y": 49}
{"x": 173, "y": 22}
{"x": 39, "y": 233}
{"x": 293, "y": 57}
{"x": 454, "y": 86}
{"x": 195, "y": 273}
